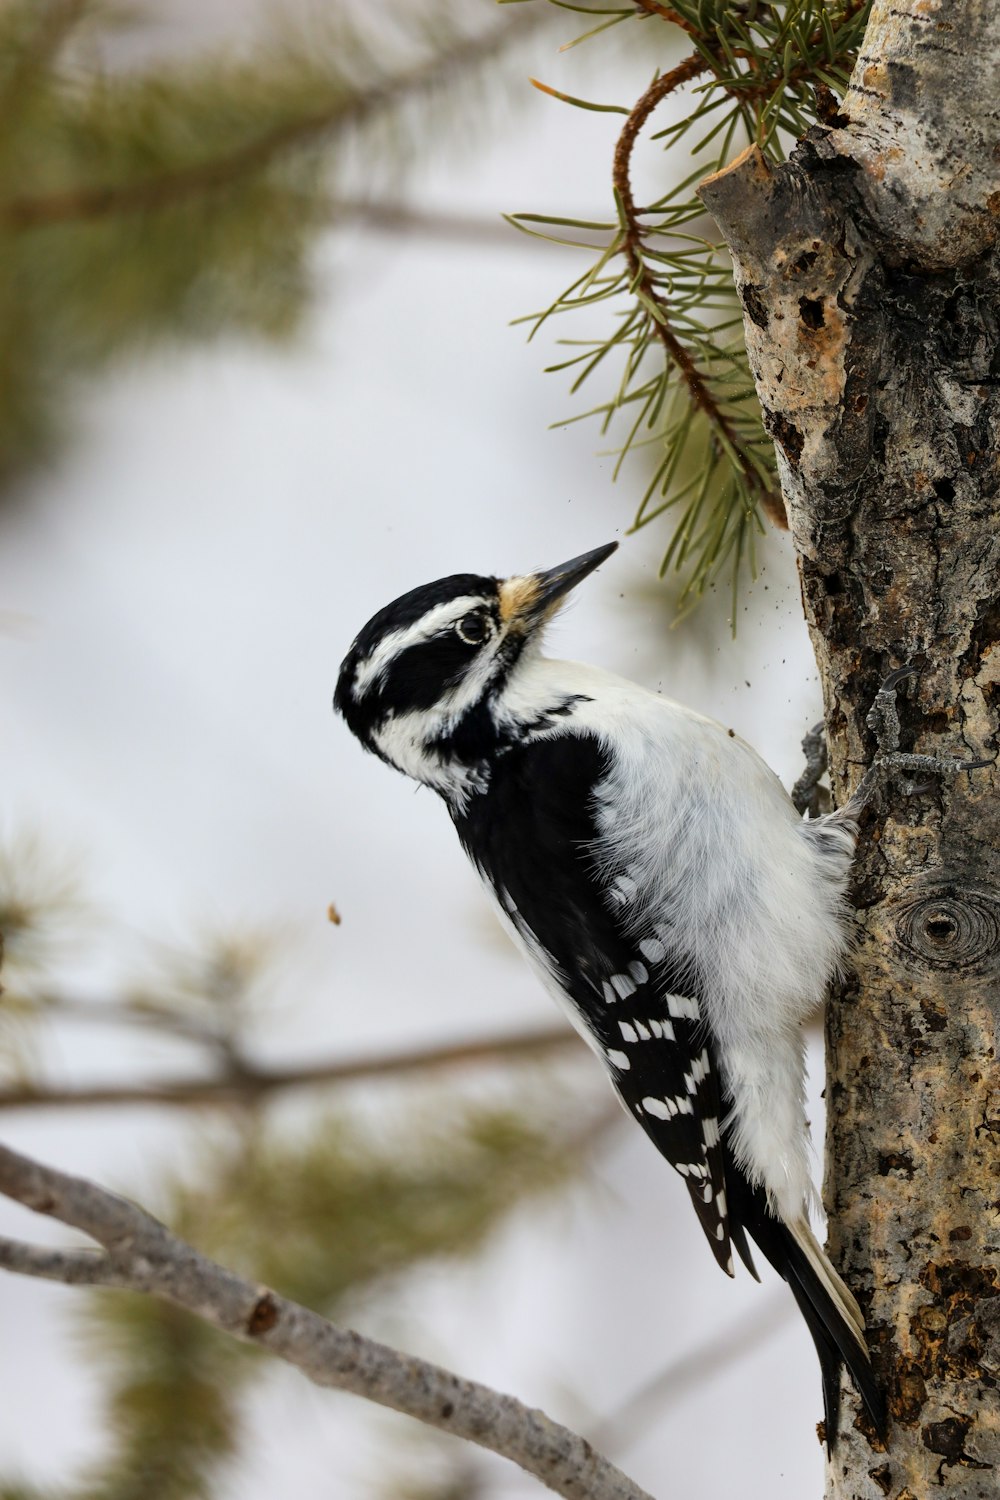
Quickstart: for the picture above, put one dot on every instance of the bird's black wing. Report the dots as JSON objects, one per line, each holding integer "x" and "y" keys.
{"x": 532, "y": 834}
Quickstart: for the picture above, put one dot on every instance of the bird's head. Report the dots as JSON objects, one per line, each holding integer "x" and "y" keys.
{"x": 424, "y": 683}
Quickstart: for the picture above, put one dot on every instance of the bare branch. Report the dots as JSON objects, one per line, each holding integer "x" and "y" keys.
{"x": 73, "y": 1267}
{"x": 144, "y": 1256}
{"x": 247, "y": 1083}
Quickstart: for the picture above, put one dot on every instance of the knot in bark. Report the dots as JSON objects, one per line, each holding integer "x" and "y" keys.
{"x": 945, "y": 929}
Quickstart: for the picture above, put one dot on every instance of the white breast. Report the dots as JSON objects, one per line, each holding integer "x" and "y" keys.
{"x": 726, "y": 873}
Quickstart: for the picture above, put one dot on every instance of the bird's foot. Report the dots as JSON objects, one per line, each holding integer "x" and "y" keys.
{"x": 810, "y": 799}
{"x": 892, "y": 763}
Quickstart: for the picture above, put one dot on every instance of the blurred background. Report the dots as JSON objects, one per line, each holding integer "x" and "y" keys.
{"x": 250, "y": 979}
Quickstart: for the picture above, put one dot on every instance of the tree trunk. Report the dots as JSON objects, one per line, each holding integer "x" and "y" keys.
{"x": 870, "y": 281}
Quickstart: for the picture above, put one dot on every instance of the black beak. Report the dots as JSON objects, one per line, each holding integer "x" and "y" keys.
{"x": 553, "y": 584}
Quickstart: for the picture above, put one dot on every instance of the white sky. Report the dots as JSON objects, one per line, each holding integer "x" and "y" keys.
{"x": 187, "y": 577}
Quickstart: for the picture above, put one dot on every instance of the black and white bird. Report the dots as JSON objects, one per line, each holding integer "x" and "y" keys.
{"x": 657, "y": 877}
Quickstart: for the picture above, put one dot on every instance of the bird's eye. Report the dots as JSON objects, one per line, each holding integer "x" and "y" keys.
{"x": 474, "y": 628}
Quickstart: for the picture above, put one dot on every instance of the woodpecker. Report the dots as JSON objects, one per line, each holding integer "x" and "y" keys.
{"x": 657, "y": 877}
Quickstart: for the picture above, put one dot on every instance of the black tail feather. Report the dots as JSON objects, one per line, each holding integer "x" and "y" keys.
{"x": 832, "y": 1335}
{"x": 830, "y": 1361}
{"x": 834, "y": 1340}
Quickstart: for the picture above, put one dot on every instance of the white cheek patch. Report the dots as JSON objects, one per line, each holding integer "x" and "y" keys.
{"x": 467, "y": 693}
{"x": 400, "y": 739}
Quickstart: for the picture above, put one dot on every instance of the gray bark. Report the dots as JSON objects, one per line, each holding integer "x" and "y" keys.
{"x": 870, "y": 280}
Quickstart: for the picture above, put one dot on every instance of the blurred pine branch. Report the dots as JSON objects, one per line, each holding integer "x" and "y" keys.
{"x": 247, "y": 1083}
{"x": 182, "y": 201}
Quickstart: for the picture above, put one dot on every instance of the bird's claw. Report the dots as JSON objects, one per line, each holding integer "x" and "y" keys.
{"x": 891, "y": 683}
{"x": 883, "y": 720}
{"x": 809, "y": 798}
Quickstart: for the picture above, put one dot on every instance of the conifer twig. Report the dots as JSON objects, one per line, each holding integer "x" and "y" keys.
{"x": 643, "y": 281}
{"x": 142, "y": 1255}
{"x": 665, "y": 13}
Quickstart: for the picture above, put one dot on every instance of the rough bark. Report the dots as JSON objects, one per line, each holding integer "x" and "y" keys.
{"x": 870, "y": 280}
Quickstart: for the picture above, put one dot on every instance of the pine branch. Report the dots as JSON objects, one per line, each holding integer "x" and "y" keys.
{"x": 771, "y": 72}
{"x": 142, "y": 1255}
{"x": 247, "y": 1083}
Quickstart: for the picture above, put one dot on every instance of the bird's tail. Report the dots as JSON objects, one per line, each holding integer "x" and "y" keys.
{"x": 831, "y": 1313}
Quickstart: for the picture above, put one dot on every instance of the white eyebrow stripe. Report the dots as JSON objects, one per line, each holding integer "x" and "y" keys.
{"x": 399, "y": 640}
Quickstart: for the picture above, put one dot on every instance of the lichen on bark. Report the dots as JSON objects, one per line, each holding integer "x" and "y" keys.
{"x": 869, "y": 271}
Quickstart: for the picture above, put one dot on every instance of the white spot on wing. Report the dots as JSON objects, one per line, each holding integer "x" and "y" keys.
{"x": 652, "y": 949}
{"x": 620, "y": 1059}
{"x": 623, "y": 889}
{"x": 683, "y": 1007}
{"x": 622, "y": 985}
{"x": 638, "y": 971}
{"x": 628, "y": 1031}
